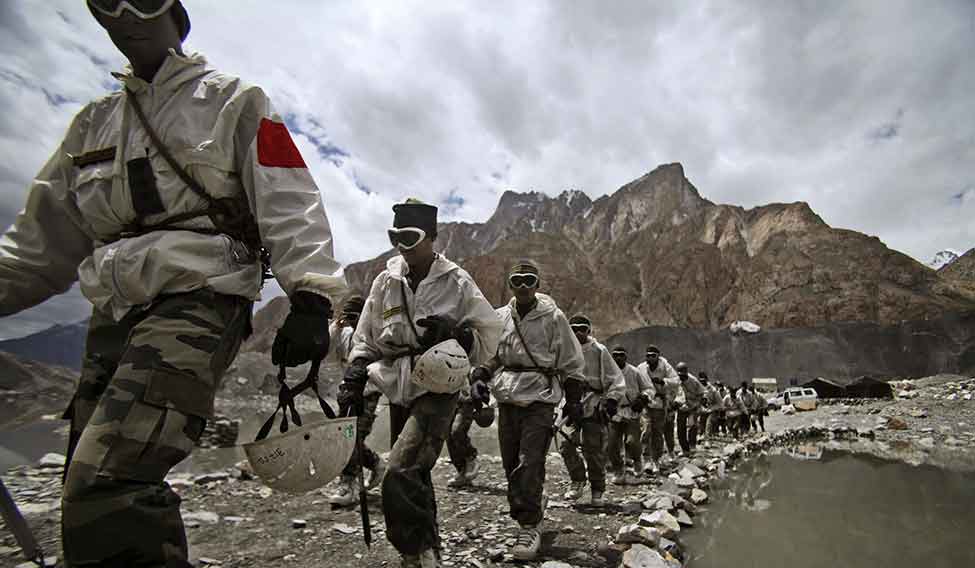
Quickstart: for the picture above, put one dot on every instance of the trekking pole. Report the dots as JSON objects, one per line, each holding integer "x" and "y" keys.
{"x": 18, "y": 526}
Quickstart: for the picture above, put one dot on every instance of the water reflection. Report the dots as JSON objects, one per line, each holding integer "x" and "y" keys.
{"x": 832, "y": 507}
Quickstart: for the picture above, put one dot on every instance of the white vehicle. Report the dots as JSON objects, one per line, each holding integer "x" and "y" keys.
{"x": 801, "y": 398}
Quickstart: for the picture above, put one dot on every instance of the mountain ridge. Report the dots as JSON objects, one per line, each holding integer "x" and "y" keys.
{"x": 656, "y": 252}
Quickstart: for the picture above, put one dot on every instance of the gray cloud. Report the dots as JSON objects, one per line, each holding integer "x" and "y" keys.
{"x": 863, "y": 109}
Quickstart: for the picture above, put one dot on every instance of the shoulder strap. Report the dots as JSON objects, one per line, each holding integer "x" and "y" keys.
{"x": 406, "y": 308}
{"x": 164, "y": 151}
{"x": 524, "y": 344}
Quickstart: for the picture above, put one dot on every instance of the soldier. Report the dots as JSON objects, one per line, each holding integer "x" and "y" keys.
{"x": 536, "y": 356}
{"x": 159, "y": 199}
{"x": 625, "y": 426}
{"x": 341, "y": 333}
{"x": 419, "y": 301}
{"x": 666, "y": 384}
{"x": 587, "y": 410}
{"x": 688, "y": 411}
{"x": 704, "y": 416}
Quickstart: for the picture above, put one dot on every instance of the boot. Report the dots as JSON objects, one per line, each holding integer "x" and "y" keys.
{"x": 344, "y": 494}
{"x": 630, "y": 478}
{"x": 616, "y": 478}
{"x": 529, "y": 541}
{"x": 651, "y": 467}
{"x": 426, "y": 559}
{"x": 375, "y": 476}
{"x": 473, "y": 468}
{"x": 576, "y": 490}
{"x": 597, "y": 499}
{"x": 459, "y": 480}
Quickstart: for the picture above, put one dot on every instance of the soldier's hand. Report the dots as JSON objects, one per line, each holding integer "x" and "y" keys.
{"x": 573, "y": 412}
{"x": 640, "y": 403}
{"x": 480, "y": 392}
{"x": 480, "y": 374}
{"x": 351, "y": 398}
{"x": 611, "y": 407}
{"x": 304, "y": 335}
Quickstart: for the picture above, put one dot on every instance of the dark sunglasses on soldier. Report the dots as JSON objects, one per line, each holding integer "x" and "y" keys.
{"x": 580, "y": 328}
{"x": 405, "y": 238}
{"x": 142, "y": 9}
{"x": 526, "y": 280}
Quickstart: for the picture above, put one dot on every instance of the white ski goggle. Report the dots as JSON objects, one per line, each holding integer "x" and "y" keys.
{"x": 142, "y": 9}
{"x": 405, "y": 238}
{"x": 579, "y": 328}
{"x": 523, "y": 280}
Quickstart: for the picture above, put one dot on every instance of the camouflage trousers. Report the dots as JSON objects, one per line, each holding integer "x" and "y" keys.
{"x": 624, "y": 436}
{"x": 459, "y": 446}
{"x": 363, "y": 427}
{"x": 591, "y": 435}
{"x": 524, "y": 435}
{"x": 409, "y": 504}
{"x": 147, "y": 387}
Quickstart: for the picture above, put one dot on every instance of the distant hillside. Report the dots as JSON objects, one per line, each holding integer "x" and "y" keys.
{"x": 61, "y": 345}
{"x": 29, "y": 389}
{"x": 836, "y": 351}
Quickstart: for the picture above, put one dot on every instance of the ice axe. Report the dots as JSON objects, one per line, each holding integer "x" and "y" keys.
{"x": 363, "y": 496}
{"x": 18, "y": 526}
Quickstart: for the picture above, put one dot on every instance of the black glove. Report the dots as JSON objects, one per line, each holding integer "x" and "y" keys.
{"x": 573, "y": 412}
{"x": 350, "y": 398}
{"x": 304, "y": 335}
{"x": 480, "y": 392}
{"x": 640, "y": 403}
{"x": 611, "y": 406}
{"x": 441, "y": 328}
{"x": 481, "y": 374}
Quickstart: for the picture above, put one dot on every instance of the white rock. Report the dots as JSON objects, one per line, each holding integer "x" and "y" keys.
{"x": 344, "y": 528}
{"x": 663, "y": 521}
{"x": 683, "y": 519}
{"x": 241, "y": 381}
{"x": 639, "y": 556}
{"x": 52, "y": 460}
{"x": 211, "y": 477}
{"x": 209, "y": 561}
{"x": 926, "y": 442}
{"x": 630, "y": 534}
{"x": 555, "y": 564}
{"x": 788, "y": 409}
{"x": 691, "y": 470}
{"x": 208, "y": 517}
{"x": 698, "y": 496}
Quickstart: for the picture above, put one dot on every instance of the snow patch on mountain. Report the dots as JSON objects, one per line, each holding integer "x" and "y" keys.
{"x": 943, "y": 258}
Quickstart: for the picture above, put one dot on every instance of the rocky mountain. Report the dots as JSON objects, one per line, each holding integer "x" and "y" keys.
{"x": 655, "y": 252}
{"x": 61, "y": 345}
{"x": 942, "y": 259}
{"x": 962, "y": 268}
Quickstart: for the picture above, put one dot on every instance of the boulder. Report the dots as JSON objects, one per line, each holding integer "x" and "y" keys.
{"x": 698, "y": 497}
{"x": 661, "y": 502}
{"x": 691, "y": 470}
{"x": 208, "y": 517}
{"x": 663, "y": 521}
{"x": 635, "y": 534}
{"x": 51, "y": 460}
{"x": 639, "y": 556}
{"x": 683, "y": 519}
{"x": 555, "y": 564}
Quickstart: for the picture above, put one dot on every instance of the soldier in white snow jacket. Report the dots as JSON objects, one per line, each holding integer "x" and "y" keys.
{"x": 587, "y": 411}
{"x": 659, "y": 415}
{"x": 624, "y": 428}
{"x": 420, "y": 300}
{"x": 159, "y": 200}
{"x": 537, "y": 354}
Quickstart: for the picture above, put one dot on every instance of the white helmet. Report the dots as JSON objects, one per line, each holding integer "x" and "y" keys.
{"x": 443, "y": 368}
{"x": 304, "y": 458}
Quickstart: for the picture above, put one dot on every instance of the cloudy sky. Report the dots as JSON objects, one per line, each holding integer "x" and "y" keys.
{"x": 863, "y": 109}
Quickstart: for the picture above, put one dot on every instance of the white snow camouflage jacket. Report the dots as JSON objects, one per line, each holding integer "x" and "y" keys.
{"x": 666, "y": 372}
{"x": 636, "y": 383}
{"x": 550, "y": 339}
{"x": 603, "y": 377}
{"x": 226, "y": 135}
{"x": 384, "y": 334}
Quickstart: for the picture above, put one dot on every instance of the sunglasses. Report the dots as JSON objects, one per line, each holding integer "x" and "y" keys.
{"x": 143, "y": 9}
{"x": 653, "y": 355}
{"x": 519, "y": 280}
{"x": 579, "y": 328}
{"x": 405, "y": 238}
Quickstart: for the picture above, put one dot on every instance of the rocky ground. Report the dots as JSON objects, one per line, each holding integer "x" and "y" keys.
{"x": 234, "y": 521}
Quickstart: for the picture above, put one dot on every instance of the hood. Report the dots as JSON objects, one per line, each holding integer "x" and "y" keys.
{"x": 546, "y": 305}
{"x": 398, "y": 268}
{"x": 175, "y": 71}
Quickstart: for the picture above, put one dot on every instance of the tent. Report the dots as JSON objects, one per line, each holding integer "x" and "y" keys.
{"x": 826, "y": 388}
{"x": 868, "y": 387}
